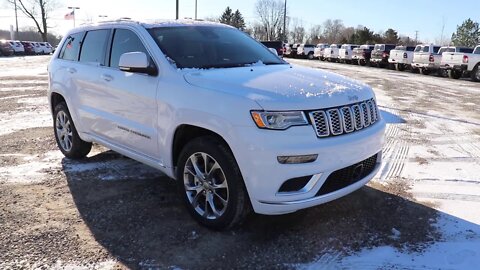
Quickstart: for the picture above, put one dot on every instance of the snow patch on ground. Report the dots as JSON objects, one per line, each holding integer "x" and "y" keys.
{"x": 14, "y": 121}
{"x": 32, "y": 170}
{"x": 459, "y": 250}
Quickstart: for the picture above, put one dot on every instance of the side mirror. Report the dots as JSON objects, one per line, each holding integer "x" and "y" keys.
{"x": 136, "y": 62}
{"x": 273, "y": 50}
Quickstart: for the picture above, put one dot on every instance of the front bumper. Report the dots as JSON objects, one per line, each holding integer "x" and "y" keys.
{"x": 257, "y": 151}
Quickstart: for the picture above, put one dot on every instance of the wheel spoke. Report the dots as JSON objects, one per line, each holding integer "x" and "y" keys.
{"x": 212, "y": 205}
{"x": 194, "y": 160}
{"x": 221, "y": 185}
{"x": 189, "y": 170}
{"x": 205, "y": 162}
{"x": 212, "y": 169}
{"x": 222, "y": 200}
{"x": 197, "y": 188}
{"x": 195, "y": 200}
{"x": 205, "y": 213}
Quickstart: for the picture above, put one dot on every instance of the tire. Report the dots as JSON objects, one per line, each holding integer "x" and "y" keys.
{"x": 362, "y": 62}
{"x": 310, "y": 56}
{"x": 454, "y": 74}
{"x": 424, "y": 71}
{"x": 476, "y": 73}
{"x": 415, "y": 70}
{"x": 223, "y": 189}
{"x": 66, "y": 135}
{"x": 400, "y": 67}
{"x": 442, "y": 73}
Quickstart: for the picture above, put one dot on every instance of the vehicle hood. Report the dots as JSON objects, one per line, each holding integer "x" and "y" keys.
{"x": 283, "y": 87}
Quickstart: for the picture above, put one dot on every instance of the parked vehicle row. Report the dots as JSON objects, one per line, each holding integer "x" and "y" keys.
{"x": 16, "y": 47}
{"x": 452, "y": 61}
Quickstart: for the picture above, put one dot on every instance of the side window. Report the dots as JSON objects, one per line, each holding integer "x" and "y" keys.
{"x": 93, "y": 46}
{"x": 124, "y": 41}
{"x": 71, "y": 47}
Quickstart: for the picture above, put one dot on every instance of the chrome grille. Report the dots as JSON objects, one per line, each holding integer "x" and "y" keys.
{"x": 346, "y": 119}
{"x": 336, "y": 127}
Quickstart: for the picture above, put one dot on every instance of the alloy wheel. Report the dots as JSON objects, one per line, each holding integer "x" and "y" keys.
{"x": 205, "y": 185}
{"x": 64, "y": 130}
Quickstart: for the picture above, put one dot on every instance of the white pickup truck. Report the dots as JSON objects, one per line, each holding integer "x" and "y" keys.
{"x": 427, "y": 58}
{"x": 401, "y": 57}
{"x": 331, "y": 54}
{"x": 306, "y": 51}
{"x": 319, "y": 50}
{"x": 464, "y": 62}
{"x": 345, "y": 53}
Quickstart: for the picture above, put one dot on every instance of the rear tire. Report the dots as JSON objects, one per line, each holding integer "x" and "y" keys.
{"x": 454, "y": 74}
{"x": 310, "y": 56}
{"x": 400, "y": 67}
{"x": 424, "y": 71}
{"x": 66, "y": 135}
{"x": 476, "y": 73}
{"x": 211, "y": 184}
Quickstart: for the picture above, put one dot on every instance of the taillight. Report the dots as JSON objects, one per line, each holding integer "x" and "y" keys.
{"x": 465, "y": 59}
{"x": 431, "y": 58}
{"x": 405, "y": 55}
{"x": 385, "y": 55}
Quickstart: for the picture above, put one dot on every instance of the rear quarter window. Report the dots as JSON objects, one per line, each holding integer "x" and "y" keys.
{"x": 477, "y": 50}
{"x": 71, "y": 47}
{"x": 93, "y": 46}
{"x": 465, "y": 50}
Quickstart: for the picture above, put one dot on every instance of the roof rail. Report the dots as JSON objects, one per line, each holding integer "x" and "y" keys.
{"x": 121, "y": 19}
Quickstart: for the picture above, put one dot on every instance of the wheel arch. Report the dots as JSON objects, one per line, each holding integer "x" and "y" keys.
{"x": 185, "y": 133}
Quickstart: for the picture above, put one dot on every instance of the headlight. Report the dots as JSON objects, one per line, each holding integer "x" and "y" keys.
{"x": 279, "y": 120}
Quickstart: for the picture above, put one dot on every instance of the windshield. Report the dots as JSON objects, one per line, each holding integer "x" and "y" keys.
{"x": 365, "y": 47}
{"x": 477, "y": 50}
{"x": 211, "y": 47}
{"x": 426, "y": 49}
{"x": 400, "y": 48}
{"x": 379, "y": 47}
{"x": 418, "y": 48}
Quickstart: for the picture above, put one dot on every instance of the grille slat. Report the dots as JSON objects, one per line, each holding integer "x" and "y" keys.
{"x": 346, "y": 119}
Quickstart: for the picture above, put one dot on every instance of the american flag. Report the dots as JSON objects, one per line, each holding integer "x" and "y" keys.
{"x": 70, "y": 15}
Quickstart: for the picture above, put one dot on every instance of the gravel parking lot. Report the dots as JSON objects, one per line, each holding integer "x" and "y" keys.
{"x": 109, "y": 211}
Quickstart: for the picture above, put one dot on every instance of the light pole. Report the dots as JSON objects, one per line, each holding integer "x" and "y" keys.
{"x": 195, "y": 9}
{"x": 16, "y": 19}
{"x": 177, "y": 10}
{"x": 285, "y": 22}
{"x": 73, "y": 8}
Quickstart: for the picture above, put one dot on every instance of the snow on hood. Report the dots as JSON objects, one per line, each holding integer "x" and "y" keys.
{"x": 283, "y": 87}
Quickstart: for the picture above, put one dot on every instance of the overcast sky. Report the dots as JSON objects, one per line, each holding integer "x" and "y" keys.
{"x": 407, "y": 16}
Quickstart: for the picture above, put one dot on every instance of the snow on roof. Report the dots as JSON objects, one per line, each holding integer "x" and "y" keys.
{"x": 164, "y": 22}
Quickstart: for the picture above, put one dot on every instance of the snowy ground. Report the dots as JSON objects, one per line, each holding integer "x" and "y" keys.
{"x": 433, "y": 145}
{"x": 109, "y": 212}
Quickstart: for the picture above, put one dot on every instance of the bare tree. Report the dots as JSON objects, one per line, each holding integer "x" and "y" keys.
{"x": 270, "y": 13}
{"x": 315, "y": 35}
{"x": 332, "y": 30}
{"x": 38, "y": 11}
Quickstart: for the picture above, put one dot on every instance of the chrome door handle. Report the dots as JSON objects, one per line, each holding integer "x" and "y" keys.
{"x": 106, "y": 77}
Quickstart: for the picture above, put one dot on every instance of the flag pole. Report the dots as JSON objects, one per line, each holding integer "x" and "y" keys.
{"x": 73, "y": 10}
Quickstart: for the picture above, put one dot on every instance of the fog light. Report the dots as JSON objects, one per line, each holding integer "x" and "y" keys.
{"x": 297, "y": 159}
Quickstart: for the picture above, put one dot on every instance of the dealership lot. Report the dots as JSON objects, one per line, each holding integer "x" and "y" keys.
{"x": 111, "y": 211}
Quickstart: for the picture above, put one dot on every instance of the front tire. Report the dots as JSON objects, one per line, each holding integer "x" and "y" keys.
{"x": 66, "y": 135}
{"x": 211, "y": 184}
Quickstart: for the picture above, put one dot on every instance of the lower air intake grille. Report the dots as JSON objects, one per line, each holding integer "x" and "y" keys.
{"x": 347, "y": 176}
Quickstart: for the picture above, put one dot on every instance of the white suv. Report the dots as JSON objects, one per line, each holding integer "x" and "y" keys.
{"x": 237, "y": 129}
